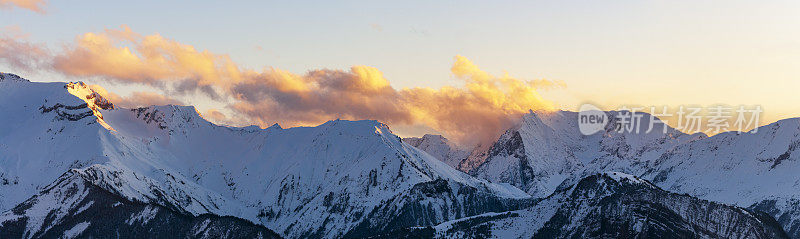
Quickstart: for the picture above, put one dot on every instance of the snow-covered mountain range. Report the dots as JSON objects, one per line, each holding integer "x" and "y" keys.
{"x": 340, "y": 178}
{"x": 751, "y": 169}
{"x": 73, "y": 164}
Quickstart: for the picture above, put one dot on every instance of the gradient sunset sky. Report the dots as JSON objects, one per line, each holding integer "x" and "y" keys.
{"x": 271, "y": 56}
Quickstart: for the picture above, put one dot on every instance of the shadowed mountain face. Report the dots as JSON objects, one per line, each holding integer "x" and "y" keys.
{"x": 547, "y": 147}
{"x": 748, "y": 169}
{"x": 617, "y": 205}
{"x": 73, "y": 207}
{"x": 74, "y": 165}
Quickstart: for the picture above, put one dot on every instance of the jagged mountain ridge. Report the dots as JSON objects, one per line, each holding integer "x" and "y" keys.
{"x": 322, "y": 181}
{"x": 339, "y": 179}
{"x": 440, "y": 148}
{"x": 547, "y": 150}
{"x": 73, "y": 207}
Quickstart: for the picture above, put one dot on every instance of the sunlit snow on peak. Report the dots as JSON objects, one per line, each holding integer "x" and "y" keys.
{"x": 93, "y": 100}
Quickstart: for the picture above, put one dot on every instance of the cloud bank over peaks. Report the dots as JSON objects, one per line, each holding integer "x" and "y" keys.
{"x": 479, "y": 110}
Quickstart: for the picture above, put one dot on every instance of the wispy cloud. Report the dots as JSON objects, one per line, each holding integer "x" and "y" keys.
{"x": 136, "y": 98}
{"x": 218, "y": 117}
{"x": 144, "y": 98}
{"x": 17, "y": 51}
{"x": 481, "y": 108}
{"x": 33, "y": 5}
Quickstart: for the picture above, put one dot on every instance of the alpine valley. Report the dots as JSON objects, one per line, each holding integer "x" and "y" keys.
{"x": 74, "y": 165}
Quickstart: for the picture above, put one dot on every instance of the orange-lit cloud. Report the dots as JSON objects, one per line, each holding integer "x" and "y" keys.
{"x": 145, "y": 98}
{"x": 33, "y": 5}
{"x": 136, "y": 99}
{"x": 126, "y": 56}
{"x": 480, "y": 109}
{"x": 319, "y": 95}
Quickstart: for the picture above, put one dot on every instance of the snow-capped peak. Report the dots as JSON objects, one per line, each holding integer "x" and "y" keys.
{"x": 440, "y": 148}
{"x": 358, "y": 128}
{"x": 348, "y": 177}
{"x": 11, "y": 77}
{"x": 92, "y": 97}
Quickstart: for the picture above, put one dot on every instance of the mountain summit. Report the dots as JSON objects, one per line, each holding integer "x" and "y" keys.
{"x": 339, "y": 178}
{"x": 546, "y": 151}
{"x": 67, "y": 153}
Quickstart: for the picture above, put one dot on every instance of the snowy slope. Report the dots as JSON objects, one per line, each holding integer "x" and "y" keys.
{"x": 319, "y": 181}
{"x": 547, "y": 150}
{"x": 736, "y": 168}
{"x": 740, "y": 169}
{"x": 44, "y": 130}
{"x": 74, "y": 208}
{"x": 348, "y": 178}
{"x": 440, "y": 148}
{"x": 296, "y": 181}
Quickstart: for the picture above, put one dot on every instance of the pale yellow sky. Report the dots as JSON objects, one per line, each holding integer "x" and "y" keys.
{"x": 607, "y": 53}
